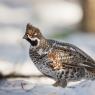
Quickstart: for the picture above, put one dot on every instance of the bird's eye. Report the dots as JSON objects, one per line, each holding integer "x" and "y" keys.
{"x": 27, "y": 34}
{"x": 35, "y": 34}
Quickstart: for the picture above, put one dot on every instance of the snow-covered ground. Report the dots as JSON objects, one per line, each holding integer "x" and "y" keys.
{"x": 19, "y": 87}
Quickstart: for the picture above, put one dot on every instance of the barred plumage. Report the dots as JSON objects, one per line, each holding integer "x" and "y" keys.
{"x": 61, "y": 61}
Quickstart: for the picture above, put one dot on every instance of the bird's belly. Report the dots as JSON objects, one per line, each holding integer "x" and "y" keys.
{"x": 43, "y": 66}
{"x": 46, "y": 70}
{"x": 71, "y": 74}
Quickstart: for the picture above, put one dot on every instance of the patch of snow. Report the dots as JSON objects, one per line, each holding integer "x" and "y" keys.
{"x": 6, "y": 67}
{"x": 27, "y": 68}
{"x": 20, "y": 87}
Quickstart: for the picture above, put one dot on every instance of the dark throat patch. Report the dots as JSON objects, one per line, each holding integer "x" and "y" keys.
{"x": 32, "y": 42}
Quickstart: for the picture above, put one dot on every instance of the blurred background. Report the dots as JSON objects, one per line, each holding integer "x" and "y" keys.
{"x": 70, "y": 21}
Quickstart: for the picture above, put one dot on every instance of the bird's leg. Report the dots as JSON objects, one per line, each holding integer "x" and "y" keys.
{"x": 61, "y": 83}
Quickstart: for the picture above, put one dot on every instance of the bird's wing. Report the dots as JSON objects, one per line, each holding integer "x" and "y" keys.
{"x": 69, "y": 55}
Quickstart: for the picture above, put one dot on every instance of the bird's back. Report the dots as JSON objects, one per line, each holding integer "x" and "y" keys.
{"x": 71, "y": 56}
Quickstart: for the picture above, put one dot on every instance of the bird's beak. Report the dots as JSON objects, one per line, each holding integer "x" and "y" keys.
{"x": 25, "y": 37}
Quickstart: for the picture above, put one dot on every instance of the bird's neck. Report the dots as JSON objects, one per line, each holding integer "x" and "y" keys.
{"x": 44, "y": 44}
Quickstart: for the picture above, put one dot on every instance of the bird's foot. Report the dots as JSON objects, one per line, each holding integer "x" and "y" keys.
{"x": 61, "y": 83}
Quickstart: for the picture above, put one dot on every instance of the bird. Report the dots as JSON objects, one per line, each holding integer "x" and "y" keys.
{"x": 61, "y": 61}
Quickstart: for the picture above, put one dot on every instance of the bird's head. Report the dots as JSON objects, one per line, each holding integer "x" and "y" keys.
{"x": 33, "y": 35}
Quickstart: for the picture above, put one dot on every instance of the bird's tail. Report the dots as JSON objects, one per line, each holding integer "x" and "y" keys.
{"x": 90, "y": 73}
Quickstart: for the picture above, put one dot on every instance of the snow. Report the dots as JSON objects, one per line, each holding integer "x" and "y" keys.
{"x": 20, "y": 87}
